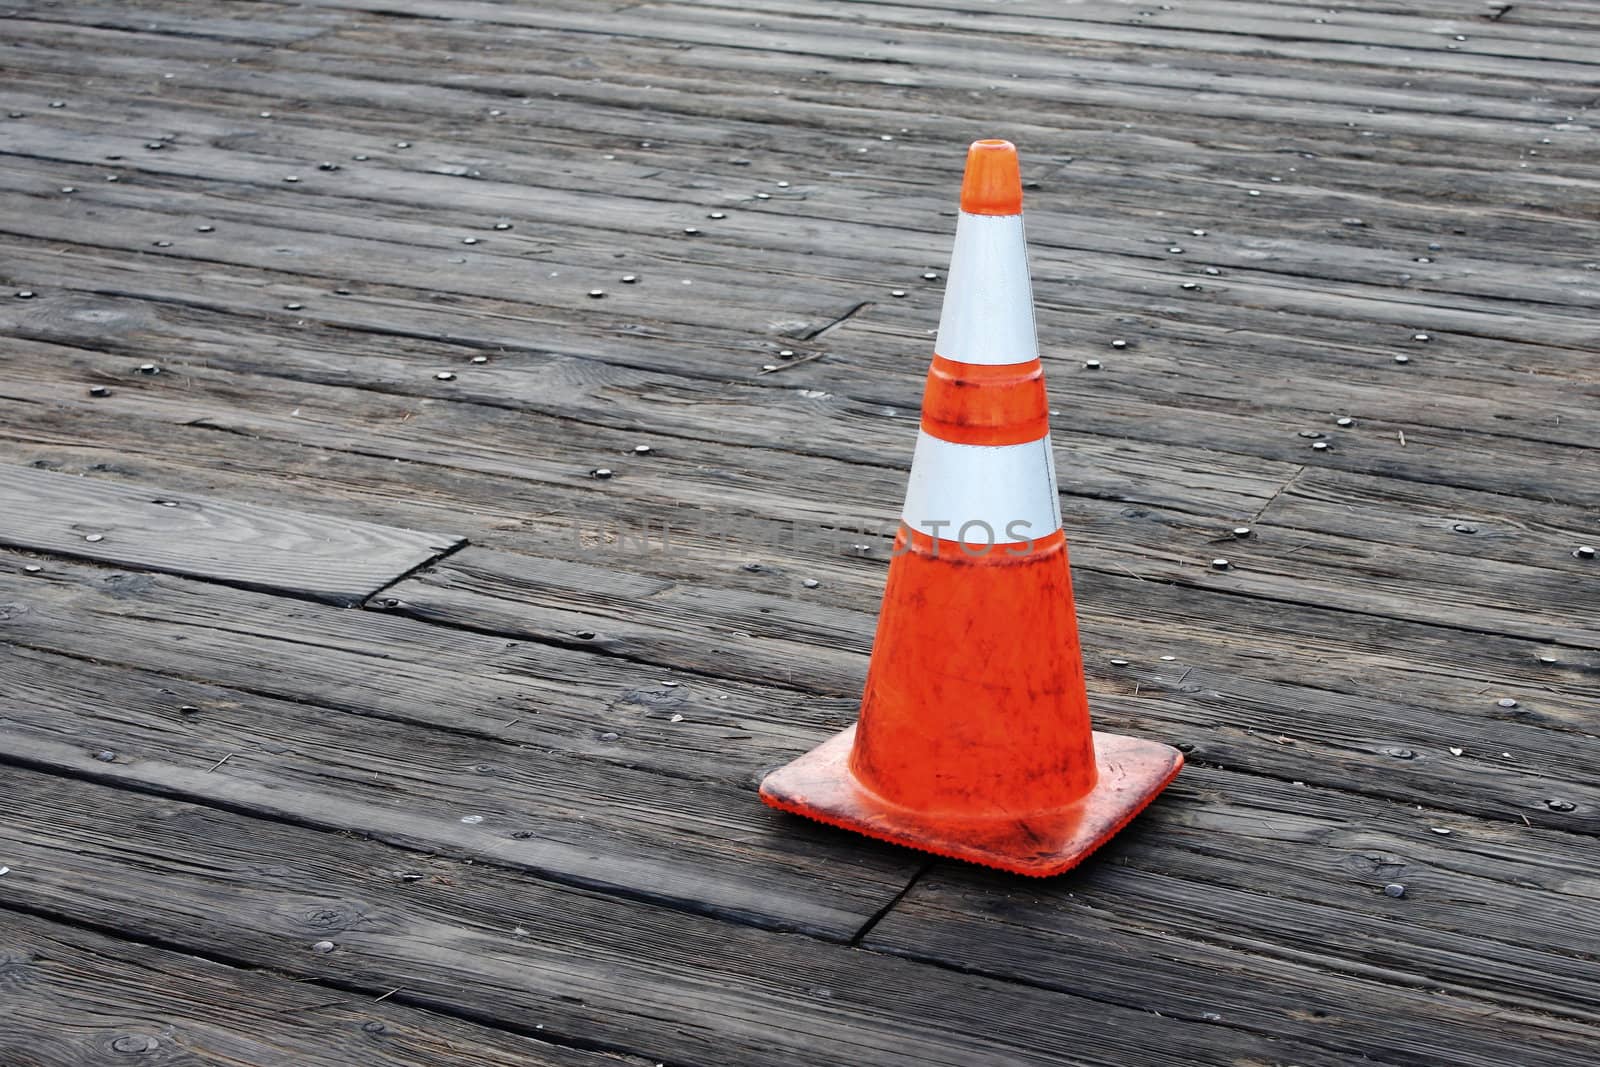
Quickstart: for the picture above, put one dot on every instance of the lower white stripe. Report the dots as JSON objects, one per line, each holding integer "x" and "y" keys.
{"x": 988, "y": 301}
{"x": 982, "y": 494}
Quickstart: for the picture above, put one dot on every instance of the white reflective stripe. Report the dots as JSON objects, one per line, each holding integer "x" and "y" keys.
{"x": 988, "y": 301}
{"x": 998, "y": 485}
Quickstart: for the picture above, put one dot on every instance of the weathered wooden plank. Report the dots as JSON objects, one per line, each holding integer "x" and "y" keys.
{"x": 1302, "y": 564}
{"x": 334, "y": 559}
{"x": 875, "y": 356}
{"x": 605, "y": 773}
{"x": 691, "y": 25}
{"x": 75, "y": 998}
{"x": 1267, "y": 24}
{"x": 1240, "y": 685}
{"x": 1443, "y": 666}
{"x": 1334, "y": 918}
{"x": 827, "y": 206}
{"x": 470, "y": 940}
{"x": 294, "y": 764}
{"x": 1102, "y": 76}
{"x": 1463, "y": 197}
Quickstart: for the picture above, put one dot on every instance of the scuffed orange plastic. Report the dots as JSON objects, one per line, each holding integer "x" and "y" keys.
{"x": 974, "y": 739}
{"x": 977, "y": 404}
{"x": 993, "y": 181}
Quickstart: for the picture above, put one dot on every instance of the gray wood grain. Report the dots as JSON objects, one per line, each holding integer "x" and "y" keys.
{"x": 576, "y": 767}
{"x": 216, "y": 763}
{"x": 320, "y": 556}
{"x": 76, "y": 998}
{"x": 592, "y": 970}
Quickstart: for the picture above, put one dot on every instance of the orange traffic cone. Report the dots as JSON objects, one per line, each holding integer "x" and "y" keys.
{"x": 974, "y": 739}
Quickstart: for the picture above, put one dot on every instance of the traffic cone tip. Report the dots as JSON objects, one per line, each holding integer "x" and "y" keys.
{"x": 993, "y": 182}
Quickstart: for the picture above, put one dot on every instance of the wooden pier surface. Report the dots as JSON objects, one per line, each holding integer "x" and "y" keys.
{"x": 449, "y": 451}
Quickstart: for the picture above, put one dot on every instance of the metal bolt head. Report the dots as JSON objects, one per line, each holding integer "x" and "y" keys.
{"x": 1190, "y": 285}
{"x": 626, "y": 279}
{"x": 1556, "y": 804}
{"x": 1421, "y": 337}
{"x": 94, "y": 539}
{"x": 1220, "y": 564}
{"x": 99, "y": 390}
{"x": 1119, "y": 343}
{"x": 469, "y": 240}
{"x": 897, "y": 292}
{"x": 287, "y": 177}
{"x": 691, "y": 231}
{"x": 1320, "y": 446}
{"x": 641, "y": 450}
{"x": 596, "y": 294}
{"x": 608, "y": 736}
{"x": 106, "y": 756}
{"x": 1506, "y": 702}
{"x": 31, "y": 568}
{"x": 810, "y": 583}
{"x": 446, "y": 376}
{"x": 601, "y": 472}
{"x": 205, "y": 228}
{"x": 717, "y": 215}
{"x": 1402, "y": 359}
{"x": 24, "y": 294}
{"x": 930, "y": 275}
{"x": 1394, "y": 889}
{"x": 1584, "y": 552}
{"x": 1345, "y": 421}
{"x": 1241, "y": 531}
{"x": 293, "y": 306}
{"x": 1400, "y": 753}
{"x": 1464, "y": 528}
{"x": 323, "y": 947}
{"x": 1091, "y": 364}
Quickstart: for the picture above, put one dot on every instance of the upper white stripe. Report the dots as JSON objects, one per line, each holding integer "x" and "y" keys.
{"x": 988, "y": 301}
{"x": 998, "y": 485}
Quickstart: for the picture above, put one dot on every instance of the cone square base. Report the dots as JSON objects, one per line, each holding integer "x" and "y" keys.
{"x": 819, "y": 786}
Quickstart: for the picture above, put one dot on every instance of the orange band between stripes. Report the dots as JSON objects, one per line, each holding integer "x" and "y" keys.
{"x": 980, "y": 404}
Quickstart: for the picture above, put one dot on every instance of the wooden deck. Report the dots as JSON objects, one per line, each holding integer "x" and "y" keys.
{"x": 448, "y": 453}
